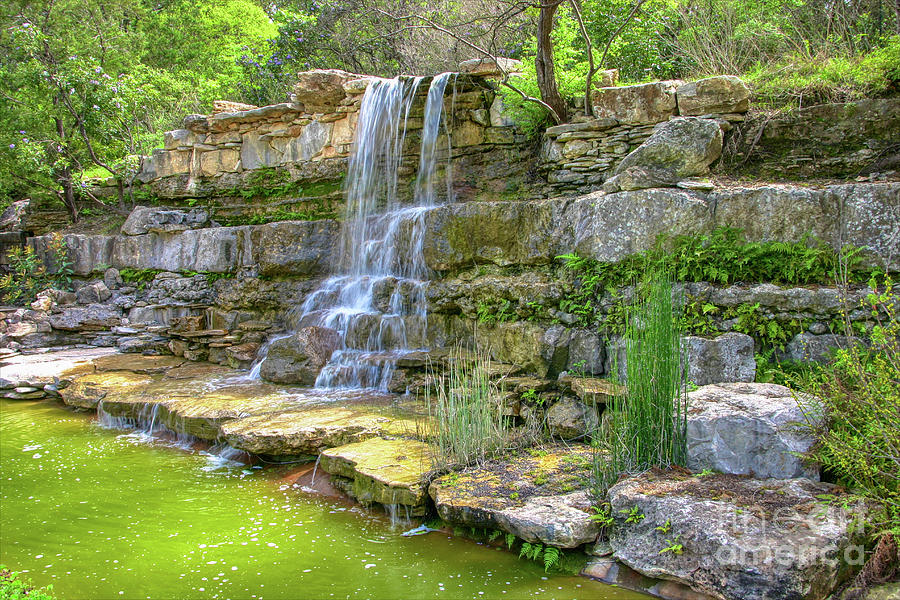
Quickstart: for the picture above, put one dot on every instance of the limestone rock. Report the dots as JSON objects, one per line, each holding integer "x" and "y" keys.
{"x": 112, "y": 278}
{"x": 740, "y": 538}
{"x": 489, "y": 67}
{"x": 298, "y": 358}
{"x": 644, "y": 103}
{"x": 179, "y": 138}
{"x": 294, "y": 247}
{"x": 227, "y": 106}
{"x": 93, "y": 317}
{"x": 93, "y": 293}
{"x": 538, "y": 497}
{"x": 308, "y": 431}
{"x": 215, "y": 162}
{"x": 571, "y": 419}
{"x": 682, "y": 147}
{"x": 389, "y": 472}
{"x": 726, "y": 358}
{"x": 805, "y": 347}
{"x": 137, "y": 363}
{"x": 88, "y": 391}
{"x": 12, "y": 215}
{"x": 750, "y": 429}
{"x": 321, "y": 88}
{"x": 713, "y": 95}
{"x": 214, "y": 250}
{"x": 242, "y": 355}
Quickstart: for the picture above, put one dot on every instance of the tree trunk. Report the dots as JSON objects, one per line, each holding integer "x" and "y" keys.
{"x": 546, "y": 76}
{"x": 65, "y": 177}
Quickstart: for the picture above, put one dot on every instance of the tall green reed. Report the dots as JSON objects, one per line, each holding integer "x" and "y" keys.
{"x": 647, "y": 422}
{"x": 464, "y": 406}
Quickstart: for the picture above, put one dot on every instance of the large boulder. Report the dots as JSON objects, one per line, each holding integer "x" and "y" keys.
{"x": 571, "y": 419}
{"x": 299, "y": 358}
{"x": 93, "y": 317}
{"x": 638, "y": 104}
{"x": 713, "y": 95}
{"x": 680, "y": 148}
{"x": 750, "y": 429}
{"x": 735, "y": 538}
{"x": 726, "y": 358}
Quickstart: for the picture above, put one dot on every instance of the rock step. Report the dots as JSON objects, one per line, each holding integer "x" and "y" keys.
{"x": 388, "y": 472}
{"x": 310, "y": 431}
{"x": 538, "y": 496}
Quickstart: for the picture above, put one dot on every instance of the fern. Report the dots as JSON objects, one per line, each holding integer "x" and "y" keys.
{"x": 551, "y": 558}
{"x": 525, "y": 550}
{"x": 510, "y": 540}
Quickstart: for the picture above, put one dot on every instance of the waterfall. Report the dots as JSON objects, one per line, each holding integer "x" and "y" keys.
{"x": 376, "y": 301}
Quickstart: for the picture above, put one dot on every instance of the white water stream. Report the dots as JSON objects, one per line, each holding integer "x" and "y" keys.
{"x": 376, "y": 300}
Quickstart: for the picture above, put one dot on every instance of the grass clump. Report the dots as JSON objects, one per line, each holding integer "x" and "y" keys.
{"x": 12, "y": 587}
{"x": 468, "y": 425}
{"x": 797, "y": 80}
{"x": 648, "y": 421}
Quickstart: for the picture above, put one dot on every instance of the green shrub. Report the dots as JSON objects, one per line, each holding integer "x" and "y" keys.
{"x": 12, "y": 587}
{"x": 723, "y": 256}
{"x": 859, "y": 443}
{"x": 28, "y": 275}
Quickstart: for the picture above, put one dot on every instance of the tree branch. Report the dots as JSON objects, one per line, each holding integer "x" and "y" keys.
{"x": 430, "y": 24}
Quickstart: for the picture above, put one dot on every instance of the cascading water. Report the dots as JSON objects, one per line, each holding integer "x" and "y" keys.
{"x": 377, "y": 302}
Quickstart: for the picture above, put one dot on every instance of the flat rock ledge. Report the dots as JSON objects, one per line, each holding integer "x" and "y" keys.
{"x": 388, "y": 472}
{"x": 733, "y": 537}
{"x": 538, "y": 496}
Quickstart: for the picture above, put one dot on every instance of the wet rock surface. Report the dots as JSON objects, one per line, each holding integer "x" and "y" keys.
{"x": 300, "y": 357}
{"x": 389, "y": 472}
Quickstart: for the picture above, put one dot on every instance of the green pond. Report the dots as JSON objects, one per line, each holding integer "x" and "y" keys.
{"x": 102, "y": 513}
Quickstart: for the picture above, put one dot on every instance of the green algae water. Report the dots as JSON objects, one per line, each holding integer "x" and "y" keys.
{"x": 108, "y": 514}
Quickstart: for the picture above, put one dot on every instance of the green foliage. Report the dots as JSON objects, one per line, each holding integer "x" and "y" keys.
{"x": 860, "y": 394}
{"x": 770, "y": 332}
{"x": 138, "y": 277}
{"x": 603, "y": 515}
{"x": 648, "y": 427}
{"x": 722, "y": 256}
{"x": 510, "y": 540}
{"x": 495, "y": 312}
{"x": 12, "y": 587}
{"x": 28, "y": 275}
{"x": 547, "y": 554}
{"x": 672, "y": 545}
{"x": 468, "y": 426}
{"x": 633, "y": 515}
{"x": 665, "y": 527}
{"x": 799, "y": 80}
